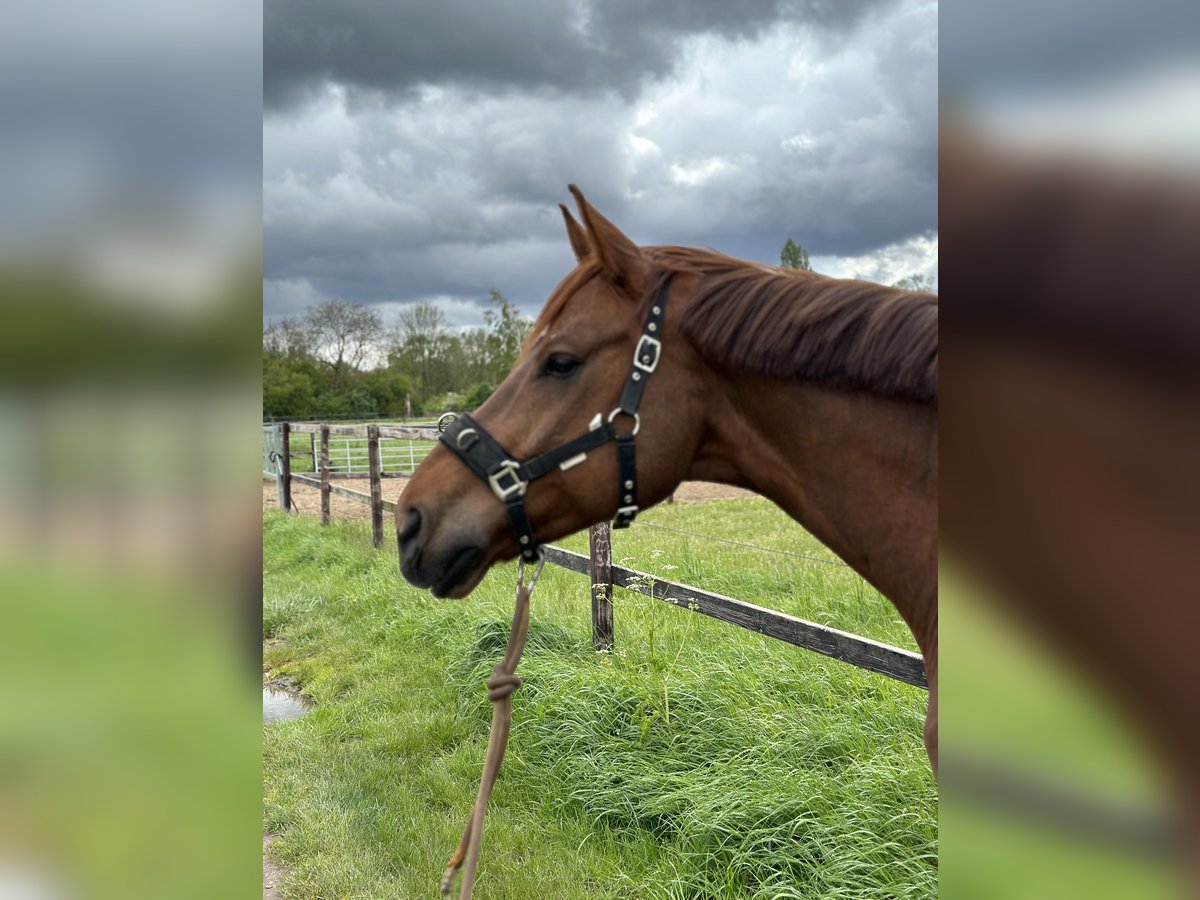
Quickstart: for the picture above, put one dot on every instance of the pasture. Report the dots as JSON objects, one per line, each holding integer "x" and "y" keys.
{"x": 696, "y": 760}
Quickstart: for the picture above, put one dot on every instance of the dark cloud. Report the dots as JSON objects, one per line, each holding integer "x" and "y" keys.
{"x": 444, "y": 190}
{"x": 586, "y": 46}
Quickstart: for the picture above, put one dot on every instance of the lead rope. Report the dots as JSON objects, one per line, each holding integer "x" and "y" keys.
{"x": 501, "y": 685}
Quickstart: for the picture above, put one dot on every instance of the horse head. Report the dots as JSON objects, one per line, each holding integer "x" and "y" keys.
{"x": 600, "y": 417}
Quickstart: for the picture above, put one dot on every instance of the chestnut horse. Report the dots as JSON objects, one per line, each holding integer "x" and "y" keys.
{"x": 818, "y": 393}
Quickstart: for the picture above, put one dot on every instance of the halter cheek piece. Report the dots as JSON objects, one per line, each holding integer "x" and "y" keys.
{"x": 509, "y": 479}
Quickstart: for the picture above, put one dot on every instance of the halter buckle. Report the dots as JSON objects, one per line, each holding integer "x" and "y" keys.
{"x": 650, "y": 347}
{"x": 514, "y": 488}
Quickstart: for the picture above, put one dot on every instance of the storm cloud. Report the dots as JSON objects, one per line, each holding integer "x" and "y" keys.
{"x": 585, "y": 46}
{"x": 420, "y": 153}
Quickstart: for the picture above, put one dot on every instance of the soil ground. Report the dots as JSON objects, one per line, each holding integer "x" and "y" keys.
{"x": 271, "y": 872}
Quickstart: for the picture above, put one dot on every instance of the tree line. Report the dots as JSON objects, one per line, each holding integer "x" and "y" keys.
{"x": 339, "y": 360}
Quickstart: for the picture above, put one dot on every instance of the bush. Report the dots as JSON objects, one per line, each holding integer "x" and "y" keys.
{"x": 450, "y": 401}
{"x": 477, "y": 395}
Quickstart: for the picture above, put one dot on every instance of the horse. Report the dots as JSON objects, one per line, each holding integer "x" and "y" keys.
{"x": 818, "y": 393}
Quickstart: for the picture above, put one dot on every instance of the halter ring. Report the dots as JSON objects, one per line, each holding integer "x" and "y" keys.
{"x": 637, "y": 421}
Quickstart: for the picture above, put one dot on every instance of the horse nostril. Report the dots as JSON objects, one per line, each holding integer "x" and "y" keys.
{"x": 412, "y": 524}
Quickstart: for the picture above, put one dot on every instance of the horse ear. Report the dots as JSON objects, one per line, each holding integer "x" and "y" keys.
{"x": 579, "y": 241}
{"x": 618, "y": 256}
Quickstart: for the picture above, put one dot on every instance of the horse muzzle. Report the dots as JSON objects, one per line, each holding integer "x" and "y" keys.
{"x": 446, "y": 571}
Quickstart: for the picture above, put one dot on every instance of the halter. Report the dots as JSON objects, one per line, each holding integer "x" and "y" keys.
{"x": 509, "y": 479}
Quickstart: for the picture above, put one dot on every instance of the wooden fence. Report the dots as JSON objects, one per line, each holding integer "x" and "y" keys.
{"x": 278, "y": 455}
{"x": 894, "y": 662}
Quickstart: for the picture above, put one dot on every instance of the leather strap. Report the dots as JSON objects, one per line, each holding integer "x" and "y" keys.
{"x": 627, "y": 510}
{"x": 509, "y": 479}
{"x": 646, "y": 354}
{"x": 485, "y": 456}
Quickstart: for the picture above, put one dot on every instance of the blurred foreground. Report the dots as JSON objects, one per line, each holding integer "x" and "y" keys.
{"x": 1070, "y": 428}
{"x": 129, "y": 359}
{"x": 129, "y": 547}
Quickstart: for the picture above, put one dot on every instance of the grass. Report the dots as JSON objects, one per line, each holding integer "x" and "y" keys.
{"x": 695, "y": 761}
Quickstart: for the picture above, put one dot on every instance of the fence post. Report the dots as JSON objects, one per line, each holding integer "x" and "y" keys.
{"x": 600, "y": 547}
{"x": 324, "y": 474}
{"x": 376, "y": 487}
{"x": 275, "y": 465}
{"x": 285, "y": 465}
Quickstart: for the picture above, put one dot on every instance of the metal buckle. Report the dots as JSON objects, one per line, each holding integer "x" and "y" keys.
{"x": 462, "y": 436}
{"x": 515, "y": 488}
{"x": 624, "y": 516}
{"x": 647, "y": 342}
{"x": 537, "y": 570}
{"x": 637, "y": 422}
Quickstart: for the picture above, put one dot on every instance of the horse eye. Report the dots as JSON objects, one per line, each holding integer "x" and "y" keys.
{"x": 561, "y": 366}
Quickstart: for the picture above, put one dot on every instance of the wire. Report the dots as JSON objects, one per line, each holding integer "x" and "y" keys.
{"x": 709, "y": 537}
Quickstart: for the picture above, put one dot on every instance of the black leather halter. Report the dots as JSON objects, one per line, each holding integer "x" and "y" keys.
{"x": 509, "y": 479}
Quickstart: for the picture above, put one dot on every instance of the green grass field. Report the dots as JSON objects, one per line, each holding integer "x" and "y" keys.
{"x": 697, "y": 760}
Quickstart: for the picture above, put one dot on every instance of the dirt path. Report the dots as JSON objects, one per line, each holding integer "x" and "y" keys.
{"x": 308, "y": 499}
{"x": 271, "y": 872}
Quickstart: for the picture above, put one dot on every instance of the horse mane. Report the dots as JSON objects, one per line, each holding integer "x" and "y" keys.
{"x": 843, "y": 334}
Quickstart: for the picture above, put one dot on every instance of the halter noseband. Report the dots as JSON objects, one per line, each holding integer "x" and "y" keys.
{"x": 509, "y": 479}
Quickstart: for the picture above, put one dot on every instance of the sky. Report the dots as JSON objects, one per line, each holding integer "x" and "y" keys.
{"x": 417, "y": 152}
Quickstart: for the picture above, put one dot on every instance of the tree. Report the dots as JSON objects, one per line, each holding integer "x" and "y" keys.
{"x": 288, "y": 339}
{"x": 793, "y": 256}
{"x": 423, "y": 321}
{"x": 923, "y": 284}
{"x": 477, "y": 396}
{"x": 472, "y": 360}
{"x": 288, "y": 389}
{"x": 326, "y": 362}
{"x": 344, "y": 335}
{"x": 507, "y": 332}
{"x": 388, "y": 386}
{"x": 420, "y": 345}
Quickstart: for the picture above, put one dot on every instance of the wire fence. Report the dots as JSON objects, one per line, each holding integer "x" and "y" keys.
{"x": 744, "y": 545}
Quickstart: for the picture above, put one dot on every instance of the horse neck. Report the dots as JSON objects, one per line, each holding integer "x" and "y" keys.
{"x": 859, "y": 472}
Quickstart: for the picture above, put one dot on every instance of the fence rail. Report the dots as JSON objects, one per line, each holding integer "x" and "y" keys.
{"x": 864, "y": 653}
{"x": 401, "y": 449}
